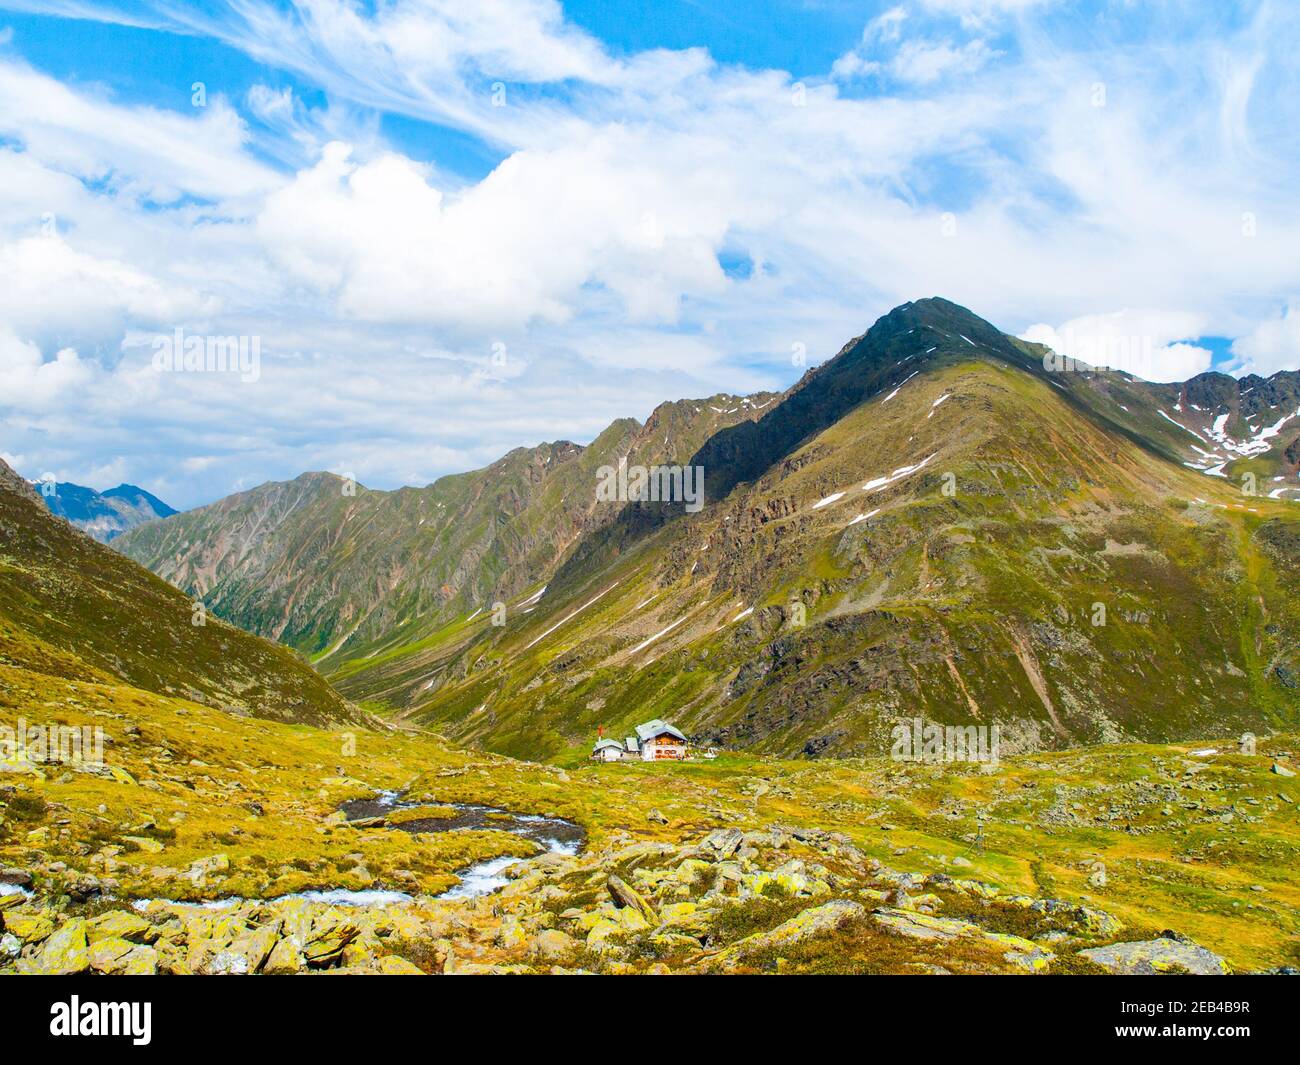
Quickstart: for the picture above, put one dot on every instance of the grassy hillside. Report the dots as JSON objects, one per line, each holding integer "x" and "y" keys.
{"x": 73, "y": 608}
{"x": 197, "y": 805}
{"x": 938, "y": 522}
{"x": 1013, "y": 556}
{"x": 349, "y": 575}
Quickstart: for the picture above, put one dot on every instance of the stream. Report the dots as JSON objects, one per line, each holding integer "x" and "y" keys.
{"x": 555, "y": 834}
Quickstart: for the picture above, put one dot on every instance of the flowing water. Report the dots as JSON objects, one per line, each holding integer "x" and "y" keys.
{"x": 555, "y": 834}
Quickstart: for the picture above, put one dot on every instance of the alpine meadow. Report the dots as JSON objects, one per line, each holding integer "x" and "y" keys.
{"x": 545, "y": 487}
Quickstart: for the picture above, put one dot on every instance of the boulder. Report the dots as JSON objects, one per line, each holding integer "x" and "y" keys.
{"x": 107, "y": 954}
{"x": 63, "y": 953}
{"x": 142, "y": 961}
{"x": 1083, "y": 919}
{"x": 122, "y": 924}
{"x": 625, "y": 896}
{"x": 326, "y": 946}
{"x": 29, "y": 927}
{"x": 84, "y": 888}
{"x": 818, "y": 921}
{"x": 286, "y": 958}
{"x": 392, "y": 965}
{"x": 552, "y": 945}
{"x": 915, "y": 925}
{"x": 1022, "y": 953}
{"x": 724, "y": 841}
{"x": 511, "y": 934}
{"x": 202, "y": 868}
{"x": 246, "y": 954}
{"x": 14, "y": 875}
{"x": 1161, "y": 956}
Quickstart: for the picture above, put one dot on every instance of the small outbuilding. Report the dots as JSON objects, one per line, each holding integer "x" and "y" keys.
{"x": 608, "y": 751}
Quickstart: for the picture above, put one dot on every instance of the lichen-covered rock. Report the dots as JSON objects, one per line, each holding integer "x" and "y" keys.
{"x": 552, "y": 945}
{"x": 121, "y": 924}
{"x": 326, "y": 946}
{"x": 511, "y": 934}
{"x": 246, "y": 954}
{"x": 29, "y": 927}
{"x": 626, "y": 896}
{"x": 1157, "y": 957}
{"x": 286, "y": 958}
{"x": 605, "y": 936}
{"x": 63, "y": 953}
{"x": 925, "y": 926}
{"x": 392, "y": 965}
{"x": 1022, "y": 953}
{"x": 1074, "y": 917}
{"x": 107, "y": 953}
{"x": 818, "y": 921}
{"x": 142, "y": 961}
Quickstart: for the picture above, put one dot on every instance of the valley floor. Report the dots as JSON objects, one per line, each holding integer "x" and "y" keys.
{"x": 739, "y": 864}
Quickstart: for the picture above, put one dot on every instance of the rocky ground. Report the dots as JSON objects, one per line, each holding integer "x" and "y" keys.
{"x": 187, "y": 852}
{"x": 785, "y": 899}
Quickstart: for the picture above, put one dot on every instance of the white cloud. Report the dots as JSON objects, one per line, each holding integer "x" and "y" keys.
{"x": 1273, "y": 345}
{"x": 144, "y": 152}
{"x": 520, "y": 245}
{"x": 922, "y": 62}
{"x": 1150, "y": 344}
{"x": 379, "y": 283}
{"x": 917, "y": 61}
{"x": 28, "y": 380}
{"x": 46, "y": 286}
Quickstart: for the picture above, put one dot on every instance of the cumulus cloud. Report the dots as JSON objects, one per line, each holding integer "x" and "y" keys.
{"x": 48, "y": 288}
{"x": 28, "y": 380}
{"x": 1273, "y": 345}
{"x": 1150, "y": 344}
{"x": 520, "y": 245}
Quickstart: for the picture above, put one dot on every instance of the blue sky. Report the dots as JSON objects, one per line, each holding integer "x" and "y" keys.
{"x": 454, "y": 229}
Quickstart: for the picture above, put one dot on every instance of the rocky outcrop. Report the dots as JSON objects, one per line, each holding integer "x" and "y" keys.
{"x": 1171, "y": 954}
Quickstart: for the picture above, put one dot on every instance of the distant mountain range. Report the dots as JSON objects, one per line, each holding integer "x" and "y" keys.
{"x": 937, "y": 522}
{"x": 102, "y": 515}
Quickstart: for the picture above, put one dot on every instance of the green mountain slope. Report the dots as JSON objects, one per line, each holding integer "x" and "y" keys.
{"x": 935, "y": 523}
{"x": 958, "y": 535}
{"x": 352, "y": 576}
{"x": 73, "y": 608}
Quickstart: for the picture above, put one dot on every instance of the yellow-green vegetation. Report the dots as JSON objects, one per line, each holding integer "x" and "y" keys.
{"x": 357, "y": 578}
{"x": 1036, "y": 571}
{"x": 74, "y": 608}
{"x": 929, "y": 527}
{"x": 932, "y": 523}
{"x": 196, "y": 804}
